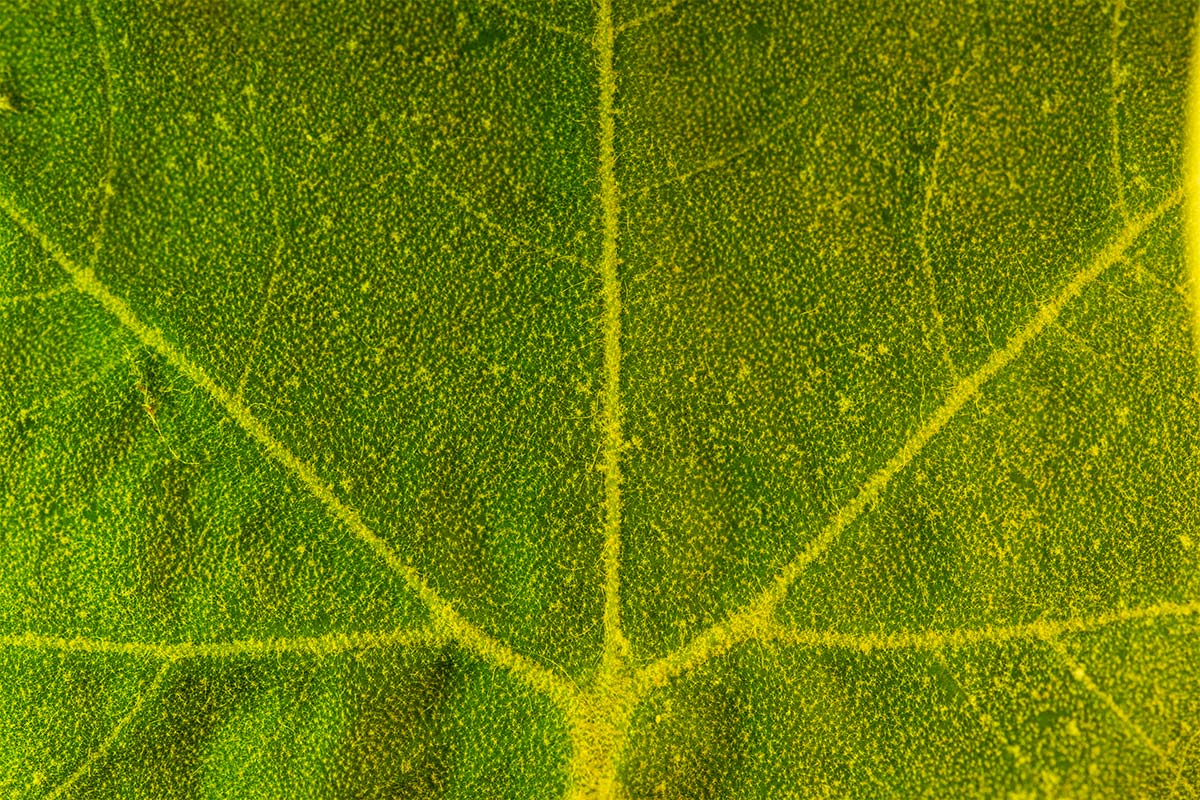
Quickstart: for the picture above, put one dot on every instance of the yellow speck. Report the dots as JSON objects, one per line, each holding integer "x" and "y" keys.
{"x": 1072, "y": 728}
{"x": 6, "y": 103}
{"x": 1186, "y": 541}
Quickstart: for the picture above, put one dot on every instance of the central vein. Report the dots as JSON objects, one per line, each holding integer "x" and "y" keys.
{"x": 616, "y": 647}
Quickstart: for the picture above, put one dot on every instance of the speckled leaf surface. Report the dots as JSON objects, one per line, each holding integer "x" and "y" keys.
{"x": 597, "y": 399}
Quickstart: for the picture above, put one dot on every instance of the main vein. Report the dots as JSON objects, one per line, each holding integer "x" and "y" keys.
{"x": 471, "y": 636}
{"x": 616, "y": 646}
{"x": 753, "y": 619}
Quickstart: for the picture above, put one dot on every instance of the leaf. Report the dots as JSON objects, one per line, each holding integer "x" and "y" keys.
{"x": 500, "y": 399}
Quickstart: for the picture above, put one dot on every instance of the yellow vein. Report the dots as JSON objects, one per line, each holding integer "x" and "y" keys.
{"x": 1042, "y": 629}
{"x": 113, "y": 735}
{"x": 533, "y": 19}
{"x": 34, "y": 297}
{"x": 42, "y": 404}
{"x": 759, "y": 142}
{"x": 982, "y": 718}
{"x": 931, "y": 178}
{"x": 755, "y": 615}
{"x": 1181, "y": 761}
{"x": 470, "y": 207}
{"x": 472, "y": 637}
{"x": 106, "y": 189}
{"x": 276, "y": 251}
{"x": 616, "y": 646}
{"x": 325, "y": 644}
{"x": 1191, "y": 172}
{"x": 1129, "y": 725}
{"x": 657, "y": 673}
{"x": 1114, "y": 125}
{"x": 663, "y": 10}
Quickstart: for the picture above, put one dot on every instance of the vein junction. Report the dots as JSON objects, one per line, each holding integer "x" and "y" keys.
{"x": 446, "y": 618}
{"x": 753, "y": 620}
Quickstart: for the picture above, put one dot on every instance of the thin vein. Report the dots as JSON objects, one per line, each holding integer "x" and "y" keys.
{"x": 1114, "y": 124}
{"x": 471, "y": 207}
{"x": 762, "y": 140}
{"x": 982, "y": 719}
{"x": 1128, "y": 724}
{"x": 43, "y": 404}
{"x": 113, "y": 735}
{"x": 616, "y": 646}
{"x": 106, "y": 188}
{"x": 276, "y": 251}
{"x": 754, "y": 617}
{"x": 649, "y": 16}
{"x": 323, "y": 645}
{"x": 35, "y": 297}
{"x": 533, "y": 19}
{"x": 471, "y": 636}
{"x": 931, "y": 179}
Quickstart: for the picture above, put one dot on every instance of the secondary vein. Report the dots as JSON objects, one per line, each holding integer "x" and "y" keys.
{"x": 467, "y": 633}
{"x": 751, "y": 619}
{"x": 324, "y": 644}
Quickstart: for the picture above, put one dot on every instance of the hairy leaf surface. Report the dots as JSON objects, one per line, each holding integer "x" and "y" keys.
{"x": 597, "y": 399}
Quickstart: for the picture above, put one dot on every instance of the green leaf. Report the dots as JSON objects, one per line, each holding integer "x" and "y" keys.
{"x": 597, "y": 399}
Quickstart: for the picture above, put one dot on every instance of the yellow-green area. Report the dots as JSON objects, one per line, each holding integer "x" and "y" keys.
{"x": 599, "y": 399}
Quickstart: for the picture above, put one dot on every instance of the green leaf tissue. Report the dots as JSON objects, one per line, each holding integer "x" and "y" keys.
{"x": 599, "y": 399}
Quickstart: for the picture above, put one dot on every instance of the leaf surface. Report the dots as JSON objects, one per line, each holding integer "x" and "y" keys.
{"x": 617, "y": 399}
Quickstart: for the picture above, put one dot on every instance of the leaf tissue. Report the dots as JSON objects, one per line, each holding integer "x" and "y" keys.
{"x": 598, "y": 399}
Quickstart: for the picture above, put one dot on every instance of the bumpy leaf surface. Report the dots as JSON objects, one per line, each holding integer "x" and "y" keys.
{"x": 596, "y": 399}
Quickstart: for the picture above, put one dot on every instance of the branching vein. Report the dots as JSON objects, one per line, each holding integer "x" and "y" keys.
{"x": 932, "y": 640}
{"x": 762, "y": 140}
{"x": 931, "y": 179}
{"x": 106, "y": 189}
{"x": 535, "y": 20}
{"x": 753, "y": 618}
{"x": 649, "y": 16}
{"x": 472, "y": 208}
{"x": 113, "y": 735}
{"x": 276, "y": 250}
{"x": 35, "y": 297}
{"x": 1114, "y": 120}
{"x": 1128, "y": 725}
{"x": 471, "y": 636}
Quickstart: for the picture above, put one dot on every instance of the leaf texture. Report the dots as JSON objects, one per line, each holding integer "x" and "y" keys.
{"x": 597, "y": 399}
